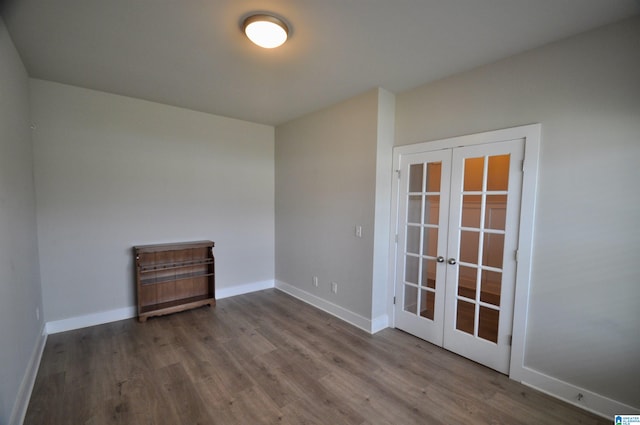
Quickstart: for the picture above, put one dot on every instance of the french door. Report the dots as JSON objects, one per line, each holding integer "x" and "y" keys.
{"x": 458, "y": 216}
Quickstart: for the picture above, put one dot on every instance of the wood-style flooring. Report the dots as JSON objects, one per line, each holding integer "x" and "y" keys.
{"x": 267, "y": 358}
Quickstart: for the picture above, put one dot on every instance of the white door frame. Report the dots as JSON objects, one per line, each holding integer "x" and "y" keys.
{"x": 531, "y": 135}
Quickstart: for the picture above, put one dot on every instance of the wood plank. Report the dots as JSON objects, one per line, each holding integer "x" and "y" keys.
{"x": 267, "y": 358}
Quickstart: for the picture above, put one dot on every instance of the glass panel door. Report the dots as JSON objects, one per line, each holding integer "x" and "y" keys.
{"x": 484, "y": 203}
{"x": 458, "y": 223}
{"x": 482, "y": 240}
{"x": 423, "y": 218}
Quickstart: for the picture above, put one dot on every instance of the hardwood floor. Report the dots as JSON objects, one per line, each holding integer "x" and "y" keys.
{"x": 267, "y": 358}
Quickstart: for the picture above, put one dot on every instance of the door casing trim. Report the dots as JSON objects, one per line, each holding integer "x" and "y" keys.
{"x": 531, "y": 134}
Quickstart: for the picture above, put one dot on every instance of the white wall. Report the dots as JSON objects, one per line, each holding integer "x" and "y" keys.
{"x": 20, "y": 293}
{"x": 380, "y": 298}
{"x": 326, "y": 185}
{"x": 584, "y": 316}
{"x": 113, "y": 172}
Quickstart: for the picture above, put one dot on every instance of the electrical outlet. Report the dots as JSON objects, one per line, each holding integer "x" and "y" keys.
{"x": 315, "y": 281}
{"x": 358, "y": 231}
{"x": 334, "y": 287}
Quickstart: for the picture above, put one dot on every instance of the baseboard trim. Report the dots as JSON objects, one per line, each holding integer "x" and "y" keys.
{"x": 28, "y": 381}
{"x": 379, "y": 323}
{"x": 109, "y": 316}
{"x": 326, "y": 306}
{"x": 244, "y": 289}
{"x": 590, "y": 401}
{"x": 92, "y": 319}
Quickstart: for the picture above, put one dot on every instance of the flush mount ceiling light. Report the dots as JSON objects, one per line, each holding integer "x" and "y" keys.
{"x": 265, "y": 30}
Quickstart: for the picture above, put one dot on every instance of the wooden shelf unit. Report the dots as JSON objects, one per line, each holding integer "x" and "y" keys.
{"x": 174, "y": 277}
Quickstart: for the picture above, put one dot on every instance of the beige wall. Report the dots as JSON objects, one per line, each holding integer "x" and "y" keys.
{"x": 325, "y": 186}
{"x": 585, "y": 292}
{"x": 113, "y": 172}
{"x": 20, "y": 293}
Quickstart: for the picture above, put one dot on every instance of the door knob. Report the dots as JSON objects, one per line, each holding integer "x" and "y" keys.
{"x": 451, "y": 261}
{"x": 440, "y": 259}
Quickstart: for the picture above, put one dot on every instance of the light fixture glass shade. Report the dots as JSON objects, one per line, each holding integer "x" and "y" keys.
{"x": 266, "y": 31}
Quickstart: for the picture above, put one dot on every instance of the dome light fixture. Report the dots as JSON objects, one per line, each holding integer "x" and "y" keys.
{"x": 265, "y": 30}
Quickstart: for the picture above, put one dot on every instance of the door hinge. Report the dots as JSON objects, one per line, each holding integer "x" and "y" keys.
{"x": 394, "y": 300}
{"x": 396, "y": 238}
{"x": 522, "y": 165}
{"x": 398, "y": 172}
{"x": 510, "y": 342}
{"x": 517, "y": 255}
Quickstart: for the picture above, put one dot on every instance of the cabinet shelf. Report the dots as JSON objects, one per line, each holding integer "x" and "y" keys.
{"x": 174, "y": 277}
{"x": 162, "y": 279}
{"x": 170, "y": 266}
{"x": 154, "y": 308}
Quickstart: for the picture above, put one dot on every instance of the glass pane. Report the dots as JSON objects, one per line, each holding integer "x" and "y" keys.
{"x": 434, "y": 170}
{"x": 415, "y": 178}
{"x": 471, "y": 211}
{"x": 467, "y": 278}
{"x": 429, "y": 273}
{"x": 427, "y": 304}
{"x": 473, "y": 170}
{"x": 493, "y": 250}
{"x": 411, "y": 299}
{"x": 469, "y": 242}
{"x": 491, "y": 287}
{"x": 488, "y": 324}
{"x": 495, "y": 214}
{"x": 432, "y": 209}
{"x": 465, "y": 317}
{"x": 430, "y": 241}
{"x": 413, "y": 239}
{"x": 414, "y": 209}
{"x": 498, "y": 173}
{"x": 411, "y": 269}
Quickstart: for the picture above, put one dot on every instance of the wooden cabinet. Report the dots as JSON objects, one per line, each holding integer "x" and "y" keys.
{"x": 174, "y": 277}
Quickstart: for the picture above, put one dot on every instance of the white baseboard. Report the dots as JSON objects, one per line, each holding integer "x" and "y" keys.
{"x": 28, "y": 380}
{"x": 590, "y": 401}
{"x": 379, "y": 323}
{"x": 326, "y": 306}
{"x": 243, "y": 289}
{"x": 92, "y": 319}
{"x": 102, "y": 317}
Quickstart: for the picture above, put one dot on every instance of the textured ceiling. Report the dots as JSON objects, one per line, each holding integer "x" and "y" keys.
{"x": 192, "y": 54}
